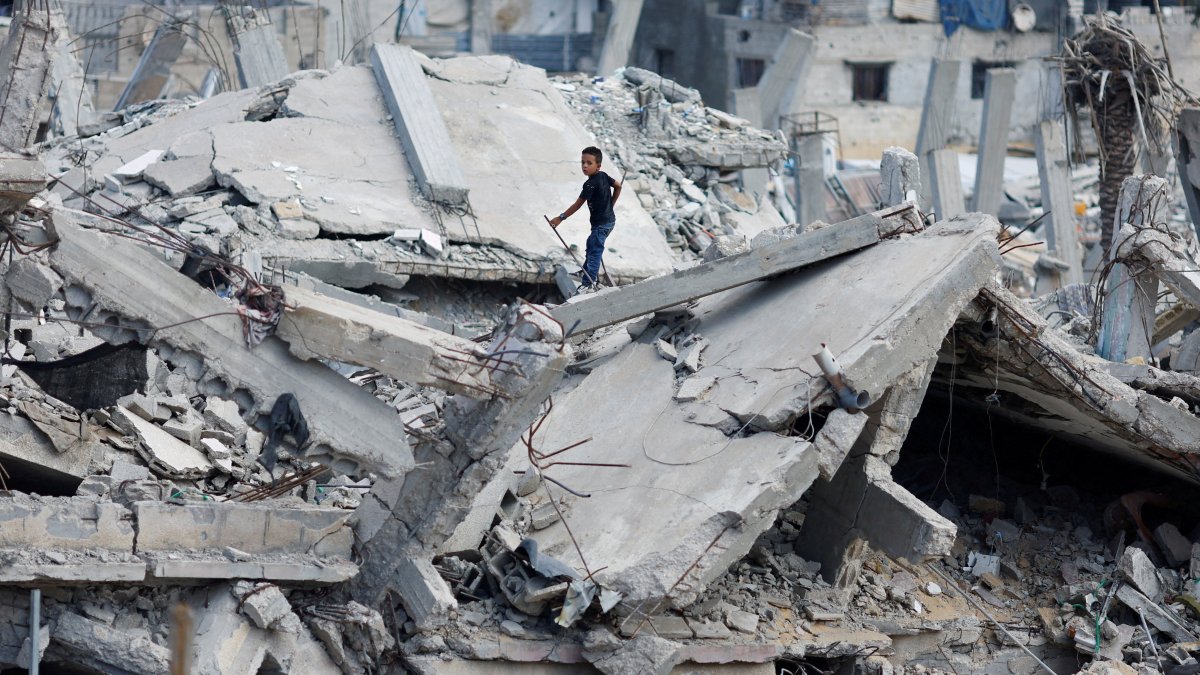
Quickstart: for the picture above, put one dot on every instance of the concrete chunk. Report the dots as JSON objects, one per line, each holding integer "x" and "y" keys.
{"x": 107, "y": 648}
{"x": 265, "y": 604}
{"x": 426, "y": 597}
{"x": 166, "y": 454}
{"x": 1140, "y": 572}
{"x": 1175, "y": 547}
{"x": 419, "y": 124}
{"x": 32, "y": 282}
{"x": 66, "y": 523}
{"x": 1158, "y": 617}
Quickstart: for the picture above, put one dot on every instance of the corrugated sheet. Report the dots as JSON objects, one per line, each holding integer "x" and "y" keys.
{"x": 916, "y": 10}
{"x": 555, "y": 53}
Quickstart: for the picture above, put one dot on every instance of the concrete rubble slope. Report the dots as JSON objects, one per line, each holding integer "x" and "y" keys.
{"x": 761, "y": 337}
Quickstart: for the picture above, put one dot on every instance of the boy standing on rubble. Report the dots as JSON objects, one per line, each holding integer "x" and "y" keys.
{"x": 601, "y": 192}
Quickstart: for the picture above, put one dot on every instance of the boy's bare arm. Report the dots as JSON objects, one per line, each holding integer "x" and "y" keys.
{"x": 554, "y": 222}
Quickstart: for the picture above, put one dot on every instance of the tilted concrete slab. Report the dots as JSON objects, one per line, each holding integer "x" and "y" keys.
{"x": 1048, "y": 384}
{"x": 350, "y": 429}
{"x": 255, "y": 528}
{"x": 526, "y": 122}
{"x": 693, "y": 493}
{"x": 419, "y": 124}
{"x": 317, "y": 326}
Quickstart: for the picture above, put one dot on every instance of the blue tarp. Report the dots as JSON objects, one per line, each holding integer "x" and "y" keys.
{"x": 978, "y": 14}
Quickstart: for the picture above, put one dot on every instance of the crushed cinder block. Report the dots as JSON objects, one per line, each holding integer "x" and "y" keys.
{"x": 426, "y": 597}
{"x": 123, "y": 471}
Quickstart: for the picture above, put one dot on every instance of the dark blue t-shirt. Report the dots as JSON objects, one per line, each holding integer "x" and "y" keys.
{"x": 597, "y": 191}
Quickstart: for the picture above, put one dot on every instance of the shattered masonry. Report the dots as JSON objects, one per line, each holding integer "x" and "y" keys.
{"x": 296, "y": 380}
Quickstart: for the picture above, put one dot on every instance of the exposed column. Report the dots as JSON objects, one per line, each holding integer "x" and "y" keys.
{"x": 25, "y": 59}
{"x": 1054, "y": 172}
{"x": 618, "y": 39}
{"x": 946, "y": 181}
{"x": 259, "y": 56}
{"x": 812, "y": 179}
{"x": 784, "y": 77}
{"x": 938, "y": 113}
{"x": 747, "y": 104}
{"x": 900, "y": 176}
{"x": 1187, "y": 157}
{"x": 481, "y": 26}
{"x": 1000, "y": 87}
{"x": 1129, "y": 303}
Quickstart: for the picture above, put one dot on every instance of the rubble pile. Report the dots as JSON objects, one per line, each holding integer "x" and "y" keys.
{"x": 681, "y": 157}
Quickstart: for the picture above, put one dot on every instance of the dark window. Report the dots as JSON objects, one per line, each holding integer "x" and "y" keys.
{"x": 979, "y": 75}
{"x": 750, "y": 71}
{"x": 869, "y": 81}
{"x": 664, "y": 62}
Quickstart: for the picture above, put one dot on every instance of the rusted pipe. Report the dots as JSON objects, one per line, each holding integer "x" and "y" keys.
{"x": 847, "y": 398}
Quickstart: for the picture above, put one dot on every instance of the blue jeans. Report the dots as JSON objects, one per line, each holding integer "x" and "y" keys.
{"x": 595, "y": 249}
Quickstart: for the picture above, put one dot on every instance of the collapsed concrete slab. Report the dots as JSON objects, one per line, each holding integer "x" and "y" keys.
{"x": 691, "y": 527}
{"x": 1049, "y": 384}
{"x": 351, "y": 430}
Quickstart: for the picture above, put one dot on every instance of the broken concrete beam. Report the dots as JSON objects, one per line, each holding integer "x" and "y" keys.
{"x": 153, "y": 69}
{"x": 256, "y": 528}
{"x": 999, "y": 87}
{"x": 63, "y": 523}
{"x": 316, "y": 326}
{"x": 946, "y": 184}
{"x": 898, "y": 407}
{"x": 938, "y": 114}
{"x": 94, "y": 644}
{"x": 900, "y": 173}
{"x": 1054, "y": 172}
{"x": 1162, "y": 619}
{"x": 20, "y": 179}
{"x": 426, "y": 597}
{"x": 132, "y": 289}
{"x": 419, "y": 124}
{"x": 1168, "y": 258}
{"x": 592, "y": 312}
{"x": 618, "y": 38}
{"x": 25, "y": 61}
{"x": 784, "y": 77}
{"x": 259, "y": 56}
{"x": 306, "y": 572}
{"x": 1130, "y": 302}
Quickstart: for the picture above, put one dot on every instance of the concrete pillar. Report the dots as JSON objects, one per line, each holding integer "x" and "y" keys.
{"x": 1054, "y": 172}
{"x": 1127, "y": 323}
{"x": 618, "y": 40}
{"x": 259, "y": 56}
{"x": 25, "y": 70}
{"x": 998, "y": 93}
{"x": 900, "y": 175}
{"x": 811, "y": 171}
{"x": 352, "y": 19}
{"x": 481, "y": 26}
{"x": 747, "y": 104}
{"x": 936, "y": 116}
{"x": 946, "y": 181}
{"x": 1187, "y": 158}
{"x": 154, "y": 67}
{"x": 71, "y": 95}
{"x": 784, "y": 77}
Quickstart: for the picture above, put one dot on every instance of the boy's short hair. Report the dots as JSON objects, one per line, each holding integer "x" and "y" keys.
{"x": 594, "y": 152}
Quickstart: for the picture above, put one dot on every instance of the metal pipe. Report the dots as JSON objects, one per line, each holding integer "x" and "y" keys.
{"x": 988, "y": 328}
{"x": 848, "y": 398}
{"x": 35, "y": 629}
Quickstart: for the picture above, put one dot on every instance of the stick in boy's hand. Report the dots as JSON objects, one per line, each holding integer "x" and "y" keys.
{"x": 564, "y": 241}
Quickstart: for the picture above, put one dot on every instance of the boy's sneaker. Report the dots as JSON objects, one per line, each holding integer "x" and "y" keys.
{"x": 586, "y": 288}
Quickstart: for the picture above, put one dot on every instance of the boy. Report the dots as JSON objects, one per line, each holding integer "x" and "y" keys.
{"x": 601, "y": 192}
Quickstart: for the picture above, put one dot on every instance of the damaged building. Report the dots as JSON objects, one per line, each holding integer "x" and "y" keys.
{"x": 297, "y": 377}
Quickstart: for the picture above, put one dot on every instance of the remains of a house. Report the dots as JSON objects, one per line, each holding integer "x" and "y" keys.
{"x": 298, "y": 376}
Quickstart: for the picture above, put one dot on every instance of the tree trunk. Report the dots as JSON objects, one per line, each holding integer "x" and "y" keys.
{"x": 1117, "y": 122}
